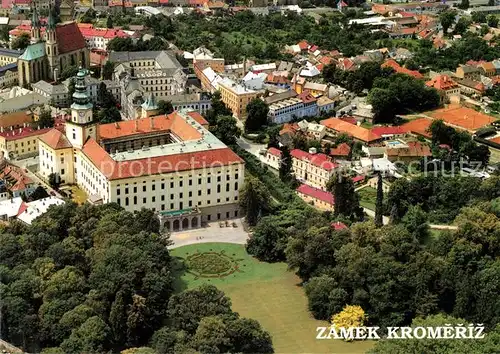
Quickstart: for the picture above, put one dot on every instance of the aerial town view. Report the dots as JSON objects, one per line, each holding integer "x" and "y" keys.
{"x": 250, "y": 176}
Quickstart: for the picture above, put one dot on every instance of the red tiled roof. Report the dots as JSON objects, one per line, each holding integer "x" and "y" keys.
{"x": 198, "y": 117}
{"x": 359, "y": 133}
{"x": 442, "y": 82}
{"x": 338, "y": 226}
{"x": 155, "y": 165}
{"x": 389, "y": 130}
{"x": 399, "y": 69}
{"x": 22, "y": 208}
{"x": 419, "y": 126}
{"x": 306, "y": 97}
{"x": 274, "y": 151}
{"x": 55, "y": 139}
{"x": 318, "y": 160}
{"x": 303, "y": 45}
{"x": 289, "y": 128}
{"x": 172, "y": 122}
{"x": 69, "y": 38}
{"x": 90, "y": 31}
{"x": 350, "y": 120}
{"x": 316, "y": 193}
{"x": 358, "y": 179}
{"x": 341, "y": 150}
{"x": 325, "y": 60}
{"x": 313, "y": 48}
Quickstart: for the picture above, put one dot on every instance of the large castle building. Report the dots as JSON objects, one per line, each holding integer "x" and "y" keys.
{"x": 168, "y": 163}
{"x": 53, "y": 48}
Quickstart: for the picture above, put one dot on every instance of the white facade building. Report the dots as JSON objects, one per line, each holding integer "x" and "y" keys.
{"x": 171, "y": 164}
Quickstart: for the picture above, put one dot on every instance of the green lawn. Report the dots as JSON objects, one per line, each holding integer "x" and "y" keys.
{"x": 270, "y": 294}
{"x": 367, "y": 197}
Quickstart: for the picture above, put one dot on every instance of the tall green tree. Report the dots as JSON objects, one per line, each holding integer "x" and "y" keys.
{"x": 21, "y": 42}
{"x": 226, "y": 129}
{"x": 254, "y": 199}
{"x": 107, "y": 70}
{"x": 379, "y": 202}
{"x": 447, "y": 19}
{"x": 285, "y": 170}
{"x": 257, "y": 110}
{"x": 345, "y": 197}
{"x": 165, "y": 107}
{"x": 217, "y": 108}
{"x": 45, "y": 119}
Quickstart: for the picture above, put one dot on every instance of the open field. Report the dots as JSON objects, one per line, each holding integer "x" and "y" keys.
{"x": 272, "y": 295}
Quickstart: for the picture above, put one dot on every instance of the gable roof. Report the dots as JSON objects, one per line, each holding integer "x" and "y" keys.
{"x": 341, "y": 150}
{"x": 414, "y": 149}
{"x": 33, "y": 51}
{"x": 319, "y": 160}
{"x": 355, "y": 131}
{"x": 391, "y": 63}
{"x": 56, "y": 139}
{"x": 316, "y": 193}
{"x": 69, "y": 37}
{"x": 419, "y": 126}
{"x": 442, "y": 82}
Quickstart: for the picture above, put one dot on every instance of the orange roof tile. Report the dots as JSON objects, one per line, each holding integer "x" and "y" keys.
{"x": 442, "y": 82}
{"x": 414, "y": 149}
{"x": 391, "y": 63}
{"x": 463, "y": 117}
{"x": 173, "y": 122}
{"x": 418, "y": 126}
{"x": 341, "y": 126}
{"x": 198, "y": 117}
{"x": 56, "y": 139}
{"x": 341, "y": 150}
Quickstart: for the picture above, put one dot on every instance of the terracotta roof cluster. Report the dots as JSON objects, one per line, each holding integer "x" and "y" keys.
{"x": 391, "y": 63}
{"x": 289, "y": 128}
{"x": 414, "y": 149}
{"x": 316, "y": 193}
{"x": 15, "y": 178}
{"x": 355, "y": 131}
{"x": 198, "y": 117}
{"x": 463, "y": 117}
{"x": 307, "y": 97}
{"x": 358, "y": 178}
{"x": 318, "y": 160}
{"x": 341, "y": 150}
{"x": 277, "y": 79}
{"x": 90, "y": 31}
{"x": 442, "y": 82}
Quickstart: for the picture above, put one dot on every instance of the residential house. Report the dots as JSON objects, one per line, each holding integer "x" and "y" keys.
{"x": 341, "y": 152}
{"x": 390, "y": 132}
{"x": 488, "y": 69}
{"x": 318, "y": 198}
{"x": 413, "y": 151}
{"x": 312, "y": 168}
{"x": 9, "y": 208}
{"x": 289, "y": 109}
{"x": 391, "y": 63}
{"x": 316, "y": 89}
{"x": 16, "y": 181}
{"x": 273, "y": 158}
{"x": 445, "y": 85}
{"x": 287, "y": 134}
{"x": 31, "y": 210}
{"x": 325, "y": 104}
{"x": 468, "y": 72}
{"x": 471, "y": 87}
{"x": 8, "y": 75}
{"x": 236, "y": 96}
{"x": 336, "y": 126}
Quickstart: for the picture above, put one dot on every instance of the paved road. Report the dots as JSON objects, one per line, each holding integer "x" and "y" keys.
{"x": 212, "y": 233}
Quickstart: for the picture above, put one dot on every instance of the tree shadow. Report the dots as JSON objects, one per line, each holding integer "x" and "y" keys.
{"x": 178, "y": 270}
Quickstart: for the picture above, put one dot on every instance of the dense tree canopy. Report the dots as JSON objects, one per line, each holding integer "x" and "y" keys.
{"x": 95, "y": 279}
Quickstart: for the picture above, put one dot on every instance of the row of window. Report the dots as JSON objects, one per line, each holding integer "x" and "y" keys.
{"x": 134, "y": 201}
{"x": 153, "y": 188}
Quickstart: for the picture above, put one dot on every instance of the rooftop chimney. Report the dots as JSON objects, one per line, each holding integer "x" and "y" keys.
{"x": 136, "y": 125}
{"x": 151, "y": 123}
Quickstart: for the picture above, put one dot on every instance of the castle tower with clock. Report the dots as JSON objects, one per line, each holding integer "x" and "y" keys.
{"x": 82, "y": 125}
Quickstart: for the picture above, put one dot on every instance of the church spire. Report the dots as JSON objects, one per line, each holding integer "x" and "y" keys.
{"x": 51, "y": 23}
{"x": 35, "y": 26}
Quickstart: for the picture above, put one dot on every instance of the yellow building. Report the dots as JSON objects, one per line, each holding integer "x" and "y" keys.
{"x": 9, "y": 56}
{"x": 236, "y": 96}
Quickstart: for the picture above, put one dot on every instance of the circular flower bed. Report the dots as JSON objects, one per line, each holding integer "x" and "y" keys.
{"x": 211, "y": 265}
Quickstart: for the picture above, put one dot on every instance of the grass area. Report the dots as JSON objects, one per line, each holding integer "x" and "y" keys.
{"x": 367, "y": 125}
{"x": 367, "y": 197}
{"x": 270, "y": 294}
{"x": 77, "y": 195}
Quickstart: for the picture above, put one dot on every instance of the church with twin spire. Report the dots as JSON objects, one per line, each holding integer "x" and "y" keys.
{"x": 54, "y": 47}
